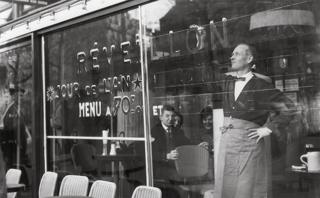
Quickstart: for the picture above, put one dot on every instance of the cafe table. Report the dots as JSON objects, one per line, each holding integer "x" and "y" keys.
{"x": 15, "y": 187}
{"x": 312, "y": 177}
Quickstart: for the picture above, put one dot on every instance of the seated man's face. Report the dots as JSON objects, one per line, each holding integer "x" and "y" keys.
{"x": 167, "y": 118}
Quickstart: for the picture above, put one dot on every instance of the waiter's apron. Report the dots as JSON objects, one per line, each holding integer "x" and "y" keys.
{"x": 244, "y": 166}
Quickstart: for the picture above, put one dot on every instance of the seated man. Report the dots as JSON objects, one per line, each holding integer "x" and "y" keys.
{"x": 165, "y": 138}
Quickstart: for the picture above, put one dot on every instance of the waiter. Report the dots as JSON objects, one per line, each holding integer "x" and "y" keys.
{"x": 243, "y": 166}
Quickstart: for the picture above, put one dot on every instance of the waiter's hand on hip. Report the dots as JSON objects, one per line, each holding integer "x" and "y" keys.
{"x": 204, "y": 145}
{"x": 173, "y": 155}
{"x": 259, "y": 133}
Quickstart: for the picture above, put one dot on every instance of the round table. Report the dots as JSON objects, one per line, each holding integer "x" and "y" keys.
{"x": 313, "y": 179}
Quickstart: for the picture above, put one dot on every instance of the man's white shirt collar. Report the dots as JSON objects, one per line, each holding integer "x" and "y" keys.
{"x": 239, "y": 85}
{"x": 248, "y": 76}
{"x": 165, "y": 127}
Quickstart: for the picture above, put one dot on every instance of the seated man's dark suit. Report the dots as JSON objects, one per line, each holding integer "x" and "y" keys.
{"x": 163, "y": 168}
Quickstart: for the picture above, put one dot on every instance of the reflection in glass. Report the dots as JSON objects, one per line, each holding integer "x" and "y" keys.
{"x": 15, "y": 108}
{"x": 16, "y": 86}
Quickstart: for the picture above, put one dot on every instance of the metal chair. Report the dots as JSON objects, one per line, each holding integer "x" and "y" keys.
{"x": 209, "y": 194}
{"x": 13, "y": 177}
{"x": 192, "y": 165}
{"x": 103, "y": 189}
{"x": 83, "y": 158}
{"x": 47, "y": 184}
{"x": 146, "y": 192}
{"x": 74, "y": 185}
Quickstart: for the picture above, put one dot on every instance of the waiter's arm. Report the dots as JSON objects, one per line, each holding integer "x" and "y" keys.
{"x": 273, "y": 100}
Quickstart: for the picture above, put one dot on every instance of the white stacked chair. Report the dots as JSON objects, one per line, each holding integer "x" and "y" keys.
{"x": 13, "y": 177}
{"x": 193, "y": 162}
{"x": 47, "y": 184}
{"x": 146, "y": 192}
{"x": 103, "y": 189}
{"x": 74, "y": 185}
{"x": 208, "y": 194}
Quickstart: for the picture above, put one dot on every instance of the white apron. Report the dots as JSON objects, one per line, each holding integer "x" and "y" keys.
{"x": 243, "y": 166}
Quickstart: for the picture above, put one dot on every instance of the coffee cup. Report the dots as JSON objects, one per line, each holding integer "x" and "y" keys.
{"x": 113, "y": 149}
{"x": 313, "y": 160}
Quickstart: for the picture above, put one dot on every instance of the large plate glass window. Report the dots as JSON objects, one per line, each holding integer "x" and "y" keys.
{"x": 94, "y": 109}
{"x": 190, "y": 51}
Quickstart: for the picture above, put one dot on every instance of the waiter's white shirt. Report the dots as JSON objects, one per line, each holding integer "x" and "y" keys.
{"x": 239, "y": 84}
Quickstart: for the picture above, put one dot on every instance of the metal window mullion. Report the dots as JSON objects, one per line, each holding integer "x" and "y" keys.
{"x": 95, "y": 138}
{"x": 145, "y": 96}
{"x": 44, "y": 103}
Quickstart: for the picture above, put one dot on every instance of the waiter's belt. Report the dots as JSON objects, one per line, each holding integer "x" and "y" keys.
{"x": 234, "y": 124}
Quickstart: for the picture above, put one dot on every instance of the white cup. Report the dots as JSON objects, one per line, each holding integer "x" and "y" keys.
{"x": 313, "y": 160}
{"x": 113, "y": 149}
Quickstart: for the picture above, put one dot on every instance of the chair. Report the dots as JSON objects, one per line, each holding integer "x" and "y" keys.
{"x": 192, "y": 165}
{"x": 83, "y": 158}
{"x": 209, "y": 194}
{"x": 74, "y": 185}
{"x": 103, "y": 189}
{"x": 47, "y": 184}
{"x": 146, "y": 192}
{"x": 13, "y": 177}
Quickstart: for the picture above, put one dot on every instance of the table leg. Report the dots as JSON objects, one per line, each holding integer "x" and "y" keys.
{"x": 115, "y": 167}
{"x": 315, "y": 188}
{"x": 99, "y": 168}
